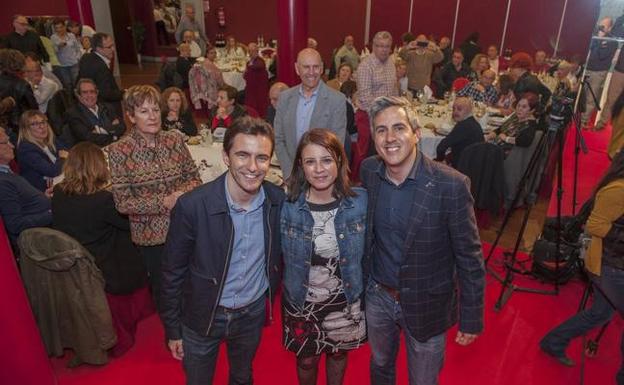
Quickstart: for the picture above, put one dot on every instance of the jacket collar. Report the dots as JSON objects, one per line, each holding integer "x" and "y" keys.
{"x": 215, "y": 199}
{"x": 302, "y": 204}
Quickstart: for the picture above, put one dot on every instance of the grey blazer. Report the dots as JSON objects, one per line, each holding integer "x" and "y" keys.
{"x": 330, "y": 111}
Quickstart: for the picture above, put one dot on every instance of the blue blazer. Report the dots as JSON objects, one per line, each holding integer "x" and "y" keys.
{"x": 35, "y": 165}
{"x": 442, "y": 251}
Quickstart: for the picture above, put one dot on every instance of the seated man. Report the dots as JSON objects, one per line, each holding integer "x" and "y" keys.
{"x": 540, "y": 65}
{"x": 43, "y": 87}
{"x": 21, "y": 205}
{"x": 189, "y": 38}
{"x": 274, "y": 93}
{"x": 482, "y": 90}
{"x": 466, "y": 132}
{"x": 452, "y": 70}
{"x": 91, "y": 121}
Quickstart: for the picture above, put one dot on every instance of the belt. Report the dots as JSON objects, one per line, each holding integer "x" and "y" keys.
{"x": 394, "y": 293}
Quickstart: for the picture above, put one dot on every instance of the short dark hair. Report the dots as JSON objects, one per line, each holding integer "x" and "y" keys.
{"x": 506, "y": 83}
{"x": 348, "y": 88}
{"x": 58, "y": 21}
{"x": 82, "y": 81}
{"x": 98, "y": 39}
{"x": 298, "y": 184}
{"x": 248, "y": 126}
{"x": 230, "y": 91}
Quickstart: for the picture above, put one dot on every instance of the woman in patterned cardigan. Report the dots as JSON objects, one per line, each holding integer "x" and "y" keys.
{"x": 150, "y": 169}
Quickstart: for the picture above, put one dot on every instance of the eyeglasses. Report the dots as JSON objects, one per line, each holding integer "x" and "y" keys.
{"x": 40, "y": 123}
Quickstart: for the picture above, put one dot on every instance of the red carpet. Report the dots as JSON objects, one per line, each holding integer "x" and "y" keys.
{"x": 506, "y": 353}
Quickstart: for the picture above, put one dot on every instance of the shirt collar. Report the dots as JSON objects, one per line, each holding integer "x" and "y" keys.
{"x": 381, "y": 171}
{"x": 5, "y": 169}
{"x": 314, "y": 93}
{"x": 106, "y": 60}
{"x": 255, "y": 204}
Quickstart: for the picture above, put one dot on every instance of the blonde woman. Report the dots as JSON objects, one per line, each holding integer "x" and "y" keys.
{"x": 39, "y": 152}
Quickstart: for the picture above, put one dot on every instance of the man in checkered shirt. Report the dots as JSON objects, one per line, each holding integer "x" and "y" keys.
{"x": 482, "y": 90}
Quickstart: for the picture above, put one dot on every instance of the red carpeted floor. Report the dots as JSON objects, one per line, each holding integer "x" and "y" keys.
{"x": 506, "y": 353}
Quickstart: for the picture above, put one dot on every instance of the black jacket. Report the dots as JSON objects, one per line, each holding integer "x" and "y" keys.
{"x": 448, "y": 74}
{"x": 184, "y": 123}
{"x": 81, "y": 123}
{"x": 93, "y": 67}
{"x": 197, "y": 255}
{"x": 530, "y": 83}
{"x": 465, "y": 133}
{"x": 20, "y": 91}
{"x": 93, "y": 221}
{"x": 483, "y": 164}
{"x": 29, "y": 42}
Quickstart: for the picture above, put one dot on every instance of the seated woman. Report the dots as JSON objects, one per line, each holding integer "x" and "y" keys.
{"x": 21, "y": 205}
{"x": 323, "y": 280}
{"x": 226, "y": 110}
{"x": 344, "y": 73}
{"x": 83, "y": 208}
{"x": 479, "y": 64}
{"x": 506, "y": 97}
{"x": 175, "y": 112}
{"x": 564, "y": 87}
{"x": 519, "y": 129}
{"x": 39, "y": 153}
{"x": 233, "y": 50}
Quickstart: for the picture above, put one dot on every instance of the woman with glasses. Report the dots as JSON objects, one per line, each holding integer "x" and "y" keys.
{"x": 39, "y": 153}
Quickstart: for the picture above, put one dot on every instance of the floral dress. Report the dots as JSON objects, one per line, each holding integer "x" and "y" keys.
{"x": 327, "y": 323}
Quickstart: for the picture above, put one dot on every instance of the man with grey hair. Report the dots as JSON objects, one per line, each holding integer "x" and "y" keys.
{"x": 376, "y": 74}
{"x": 422, "y": 245}
{"x": 25, "y": 40}
{"x": 311, "y": 104}
{"x": 274, "y": 93}
{"x": 188, "y": 23}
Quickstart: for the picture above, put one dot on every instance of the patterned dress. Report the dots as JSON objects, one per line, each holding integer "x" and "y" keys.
{"x": 326, "y": 323}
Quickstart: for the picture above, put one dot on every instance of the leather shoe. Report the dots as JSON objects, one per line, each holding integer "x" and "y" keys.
{"x": 562, "y": 358}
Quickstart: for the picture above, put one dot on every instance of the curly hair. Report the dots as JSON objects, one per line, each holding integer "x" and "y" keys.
{"x": 135, "y": 96}
{"x": 165, "y": 97}
{"x": 11, "y": 61}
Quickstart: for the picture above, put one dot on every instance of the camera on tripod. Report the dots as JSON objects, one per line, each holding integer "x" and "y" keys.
{"x": 561, "y": 111}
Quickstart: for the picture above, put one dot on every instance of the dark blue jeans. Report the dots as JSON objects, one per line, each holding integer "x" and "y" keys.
{"x": 384, "y": 319}
{"x": 611, "y": 283}
{"x": 240, "y": 329}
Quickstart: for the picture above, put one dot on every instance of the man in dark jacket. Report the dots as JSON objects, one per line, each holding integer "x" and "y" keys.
{"x": 466, "y": 132}
{"x": 422, "y": 245}
{"x": 91, "y": 121}
{"x": 222, "y": 259}
{"x": 25, "y": 40}
{"x": 96, "y": 65}
{"x": 452, "y": 70}
{"x": 520, "y": 66}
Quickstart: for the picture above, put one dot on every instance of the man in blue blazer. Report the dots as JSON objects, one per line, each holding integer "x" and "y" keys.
{"x": 311, "y": 104}
{"x": 423, "y": 247}
{"x": 223, "y": 259}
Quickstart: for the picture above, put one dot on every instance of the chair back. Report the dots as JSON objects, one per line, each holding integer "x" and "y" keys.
{"x": 516, "y": 165}
{"x": 483, "y": 164}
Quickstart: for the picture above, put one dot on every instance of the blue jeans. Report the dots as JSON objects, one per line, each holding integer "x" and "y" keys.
{"x": 385, "y": 320}
{"x": 67, "y": 75}
{"x": 611, "y": 281}
{"x": 240, "y": 329}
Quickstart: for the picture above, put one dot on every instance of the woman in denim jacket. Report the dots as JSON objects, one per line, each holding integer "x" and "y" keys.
{"x": 323, "y": 227}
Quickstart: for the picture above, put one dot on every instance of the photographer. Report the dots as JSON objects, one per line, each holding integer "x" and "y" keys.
{"x": 420, "y": 56}
{"x": 600, "y": 55}
{"x": 605, "y": 264}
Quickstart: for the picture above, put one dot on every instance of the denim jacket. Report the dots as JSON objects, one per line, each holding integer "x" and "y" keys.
{"x": 296, "y": 225}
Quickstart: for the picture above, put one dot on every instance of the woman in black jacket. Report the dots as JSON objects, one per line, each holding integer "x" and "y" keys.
{"x": 175, "y": 112}
{"x": 83, "y": 208}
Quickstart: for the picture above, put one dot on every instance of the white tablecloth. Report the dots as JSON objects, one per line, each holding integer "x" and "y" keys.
{"x": 234, "y": 79}
{"x": 441, "y": 118}
{"x": 209, "y": 160}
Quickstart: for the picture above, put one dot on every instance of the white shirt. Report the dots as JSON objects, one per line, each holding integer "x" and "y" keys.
{"x": 44, "y": 91}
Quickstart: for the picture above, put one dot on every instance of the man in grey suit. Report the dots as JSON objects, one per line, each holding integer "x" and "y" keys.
{"x": 311, "y": 104}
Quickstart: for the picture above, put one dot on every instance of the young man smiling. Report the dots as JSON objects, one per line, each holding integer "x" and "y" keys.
{"x": 222, "y": 259}
{"x": 422, "y": 243}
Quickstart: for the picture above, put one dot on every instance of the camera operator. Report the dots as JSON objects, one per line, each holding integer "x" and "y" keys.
{"x": 600, "y": 55}
{"x": 617, "y": 78}
{"x": 420, "y": 56}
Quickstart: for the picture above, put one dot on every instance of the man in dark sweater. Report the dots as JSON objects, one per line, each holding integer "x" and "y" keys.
{"x": 25, "y": 40}
{"x": 21, "y": 205}
{"x": 452, "y": 70}
{"x": 466, "y": 132}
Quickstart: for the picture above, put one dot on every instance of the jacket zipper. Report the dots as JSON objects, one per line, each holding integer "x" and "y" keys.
{"x": 268, "y": 265}
{"x": 225, "y": 269}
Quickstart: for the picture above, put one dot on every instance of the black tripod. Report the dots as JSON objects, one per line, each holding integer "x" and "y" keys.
{"x": 530, "y": 182}
{"x": 579, "y": 143}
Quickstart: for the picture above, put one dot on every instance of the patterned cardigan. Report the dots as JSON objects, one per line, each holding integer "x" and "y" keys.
{"x": 143, "y": 176}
